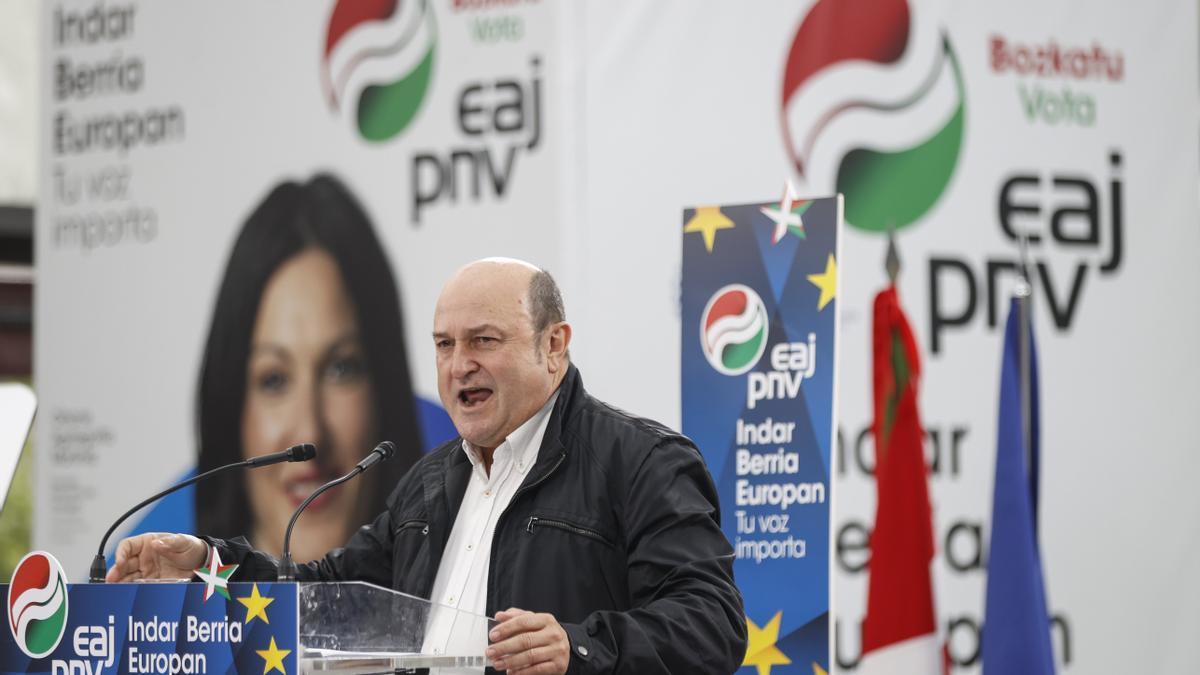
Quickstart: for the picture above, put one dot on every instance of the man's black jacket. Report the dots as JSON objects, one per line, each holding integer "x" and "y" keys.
{"x": 615, "y": 531}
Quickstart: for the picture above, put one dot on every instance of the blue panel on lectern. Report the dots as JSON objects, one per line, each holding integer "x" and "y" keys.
{"x": 150, "y": 629}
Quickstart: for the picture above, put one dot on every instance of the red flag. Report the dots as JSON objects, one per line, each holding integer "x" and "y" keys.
{"x": 900, "y": 628}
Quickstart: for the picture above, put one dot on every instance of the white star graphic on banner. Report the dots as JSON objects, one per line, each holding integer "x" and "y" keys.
{"x": 783, "y": 217}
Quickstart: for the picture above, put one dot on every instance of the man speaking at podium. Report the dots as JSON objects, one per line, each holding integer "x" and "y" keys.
{"x": 601, "y": 526}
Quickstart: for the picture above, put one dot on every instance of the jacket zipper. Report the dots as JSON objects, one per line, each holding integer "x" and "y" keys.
{"x": 524, "y": 488}
{"x": 539, "y": 481}
{"x": 520, "y": 490}
{"x": 410, "y": 524}
{"x": 563, "y": 525}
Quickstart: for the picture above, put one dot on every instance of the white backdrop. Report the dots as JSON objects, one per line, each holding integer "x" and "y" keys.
{"x": 646, "y": 108}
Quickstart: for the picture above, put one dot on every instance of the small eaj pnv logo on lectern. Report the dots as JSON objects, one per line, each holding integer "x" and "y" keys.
{"x": 37, "y": 604}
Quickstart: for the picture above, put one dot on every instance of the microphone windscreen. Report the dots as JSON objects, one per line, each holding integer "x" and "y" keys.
{"x": 302, "y": 452}
{"x": 386, "y": 449}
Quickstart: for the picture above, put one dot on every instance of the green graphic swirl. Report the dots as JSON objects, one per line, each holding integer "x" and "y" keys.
{"x": 41, "y": 636}
{"x": 384, "y": 110}
{"x": 736, "y": 356}
{"x": 897, "y": 188}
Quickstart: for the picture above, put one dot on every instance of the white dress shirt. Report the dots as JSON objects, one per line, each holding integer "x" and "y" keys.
{"x": 461, "y": 581}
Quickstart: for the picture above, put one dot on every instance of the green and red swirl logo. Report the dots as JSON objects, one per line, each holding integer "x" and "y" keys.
{"x": 874, "y": 106}
{"x": 37, "y": 604}
{"x": 733, "y": 329}
{"x": 378, "y": 62}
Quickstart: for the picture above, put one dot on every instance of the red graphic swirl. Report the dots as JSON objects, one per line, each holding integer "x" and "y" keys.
{"x": 846, "y": 30}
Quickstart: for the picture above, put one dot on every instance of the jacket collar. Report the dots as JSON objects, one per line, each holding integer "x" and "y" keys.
{"x": 553, "y": 450}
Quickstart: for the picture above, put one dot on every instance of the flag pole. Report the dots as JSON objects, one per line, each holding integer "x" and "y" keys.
{"x": 891, "y": 263}
{"x": 1023, "y": 293}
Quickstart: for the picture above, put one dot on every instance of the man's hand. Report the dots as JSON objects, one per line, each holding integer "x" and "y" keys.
{"x": 157, "y": 555}
{"x": 529, "y": 644}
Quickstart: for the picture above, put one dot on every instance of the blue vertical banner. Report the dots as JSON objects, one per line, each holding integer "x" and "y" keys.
{"x": 759, "y": 364}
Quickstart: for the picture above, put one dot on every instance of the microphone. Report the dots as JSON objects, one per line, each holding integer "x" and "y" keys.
{"x": 296, "y": 453}
{"x": 383, "y": 451}
{"x": 287, "y": 566}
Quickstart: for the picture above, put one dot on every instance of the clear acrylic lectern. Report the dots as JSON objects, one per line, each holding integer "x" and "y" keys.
{"x": 355, "y": 628}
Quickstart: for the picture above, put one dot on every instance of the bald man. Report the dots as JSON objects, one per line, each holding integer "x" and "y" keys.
{"x": 593, "y": 536}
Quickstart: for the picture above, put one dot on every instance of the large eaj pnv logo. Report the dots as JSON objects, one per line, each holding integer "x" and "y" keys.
{"x": 381, "y": 51}
{"x": 37, "y": 604}
{"x": 733, "y": 329}
{"x": 880, "y": 87}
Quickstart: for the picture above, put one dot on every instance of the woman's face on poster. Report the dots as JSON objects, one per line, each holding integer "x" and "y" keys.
{"x": 307, "y": 382}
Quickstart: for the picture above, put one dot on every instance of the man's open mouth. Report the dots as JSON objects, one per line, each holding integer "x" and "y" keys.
{"x": 473, "y": 396}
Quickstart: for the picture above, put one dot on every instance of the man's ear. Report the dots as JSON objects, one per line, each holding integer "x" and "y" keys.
{"x": 558, "y": 339}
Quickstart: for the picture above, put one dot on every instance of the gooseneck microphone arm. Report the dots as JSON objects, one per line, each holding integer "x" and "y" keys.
{"x": 296, "y": 453}
{"x": 287, "y": 566}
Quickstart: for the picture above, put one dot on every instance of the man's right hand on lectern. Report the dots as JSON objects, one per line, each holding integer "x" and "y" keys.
{"x": 157, "y": 555}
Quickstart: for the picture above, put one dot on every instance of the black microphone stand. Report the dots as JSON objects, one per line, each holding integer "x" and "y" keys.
{"x": 287, "y": 566}
{"x": 296, "y": 453}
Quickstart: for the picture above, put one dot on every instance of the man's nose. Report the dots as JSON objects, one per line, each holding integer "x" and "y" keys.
{"x": 462, "y": 363}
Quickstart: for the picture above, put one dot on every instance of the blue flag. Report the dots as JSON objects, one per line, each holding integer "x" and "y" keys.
{"x": 1016, "y": 632}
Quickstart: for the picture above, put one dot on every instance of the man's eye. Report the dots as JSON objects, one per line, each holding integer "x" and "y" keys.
{"x": 443, "y": 344}
{"x": 485, "y": 340}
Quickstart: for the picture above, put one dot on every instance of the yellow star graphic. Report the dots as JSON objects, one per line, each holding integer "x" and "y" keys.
{"x": 707, "y": 221}
{"x": 761, "y": 651}
{"x": 827, "y": 282}
{"x": 818, "y": 670}
{"x": 273, "y": 657}
{"x": 256, "y": 605}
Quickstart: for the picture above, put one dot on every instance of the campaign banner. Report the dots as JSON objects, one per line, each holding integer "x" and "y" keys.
{"x": 571, "y": 134}
{"x": 207, "y": 191}
{"x": 759, "y": 374}
{"x": 962, "y": 127}
{"x": 145, "y": 628}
